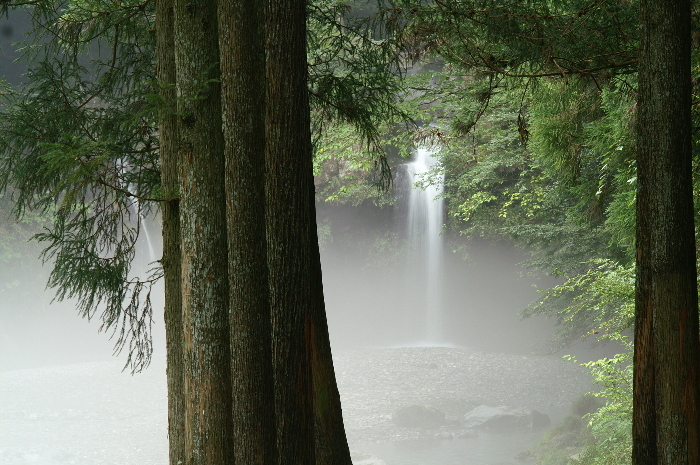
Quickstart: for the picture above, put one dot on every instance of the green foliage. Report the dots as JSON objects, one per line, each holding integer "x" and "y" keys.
{"x": 344, "y": 168}
{"x": 493, "y": 183}
{"x": 515, "y": 38}
{"x": 602, "y": 300}
{"x": 80, "y": 144}
{"x": 594, "y": 433}
{"x": 569, "y": 435}
{"x": 353, "y": 83}
{"x": 610, "y": 425}
{"x": 598, "y": 301}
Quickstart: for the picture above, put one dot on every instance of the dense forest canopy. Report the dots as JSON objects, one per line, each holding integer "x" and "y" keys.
{"x": 533, "y": 110}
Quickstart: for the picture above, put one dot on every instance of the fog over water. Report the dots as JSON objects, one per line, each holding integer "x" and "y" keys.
{"x": 64, "y": 399}
{"x": 394, "y": 289}
{"x": 390, "y": 299}
{"x": 371, "y": 301}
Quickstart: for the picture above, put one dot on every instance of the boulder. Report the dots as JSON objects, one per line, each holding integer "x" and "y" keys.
{"x": 539, "y": 420}
{"x": 501, "y": 418}
{"x": 467, "y": 433}
{"x": 418, "y": 416}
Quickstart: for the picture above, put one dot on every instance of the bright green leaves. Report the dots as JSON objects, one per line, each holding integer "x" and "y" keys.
{"x": 599, "y": 300}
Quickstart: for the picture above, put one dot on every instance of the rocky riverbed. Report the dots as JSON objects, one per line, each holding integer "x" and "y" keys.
{"x": 375, "y": 383}
{"x": 95, "y": 414}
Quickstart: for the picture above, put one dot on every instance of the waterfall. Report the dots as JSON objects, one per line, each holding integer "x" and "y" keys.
{"x": 144, "y": 228}
{"x": 425, "y": 217}
{"x": 139, "y": 221}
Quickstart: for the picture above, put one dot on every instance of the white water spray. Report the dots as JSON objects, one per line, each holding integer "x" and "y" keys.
{"x": 425, "y": 218}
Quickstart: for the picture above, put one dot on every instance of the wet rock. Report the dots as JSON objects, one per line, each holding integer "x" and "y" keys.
{"x": 418, "y": 416}
{"x": 539, "y": 420}
{"x": 466, "y": 434}
{"x": 498, "y": 418}
{"x": 374, "y": 383}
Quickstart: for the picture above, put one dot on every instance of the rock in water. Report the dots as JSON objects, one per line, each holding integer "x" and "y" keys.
{"x": 540, "y": 420}
{"x": 504, "y": 418}
{"x": 418, "y": 416}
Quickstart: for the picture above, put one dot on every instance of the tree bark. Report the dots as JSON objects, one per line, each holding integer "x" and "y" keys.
{"x": 208, "y": 428}
{"x": 288, "y": 216}
{"x": 165, "y": 70}
{"x": 666, "y": 390}
{"x": 331, "y": 441}
{"x": 242, "y": 82}
{"x": 315, "y": 434}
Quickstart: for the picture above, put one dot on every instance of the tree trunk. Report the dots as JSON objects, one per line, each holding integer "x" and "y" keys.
{"x": 331, "y": 441}
{"x": 208, "y": 428}
{"x": 298, "y": 307}
{"x": 288, "y": 216}
{"x": 242, "y": 87}
{"x": 165, "y": 51}
{"x": 665, "y": 420}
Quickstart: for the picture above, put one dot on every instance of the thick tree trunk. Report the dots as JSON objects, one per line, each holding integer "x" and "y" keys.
{"x": 331, "y": 441}
{"x": 242, "y": 87}
{"x": 165, "y": 50}
{"x": 288, "y": 216}
{"x": 666, "y": 399}
{"x": 208, "y": 428}
{"x": 298, "y": 309}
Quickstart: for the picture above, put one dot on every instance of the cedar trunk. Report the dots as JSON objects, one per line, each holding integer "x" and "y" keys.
{"x": 206, "y": 355}
{"x": 165, "y": 51}
{"x": 288, "y": 216}
{"x": 331, "y": 441}
{"x": 665, "y": 419}
{"x": 315, "y": 434}
{"x": 242, "y": 88}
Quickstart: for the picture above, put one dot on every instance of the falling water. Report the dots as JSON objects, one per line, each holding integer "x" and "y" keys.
{"x": 144, "y": 228}
{"x": 425, "y": 215}
{"x": 145, "y": 258}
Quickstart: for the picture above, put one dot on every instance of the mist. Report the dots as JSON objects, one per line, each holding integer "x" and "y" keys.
{"x": 417, "y": 319}
{"x": 59, "y": 373}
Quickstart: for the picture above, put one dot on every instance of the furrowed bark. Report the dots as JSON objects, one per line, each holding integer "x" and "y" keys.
{"x": 242, "y": 80}
{"x": 666, "y": 390}
{"x": 208, "y": 428}
{"x": 165, "y": 50}
{"x": 287, "y": 155}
